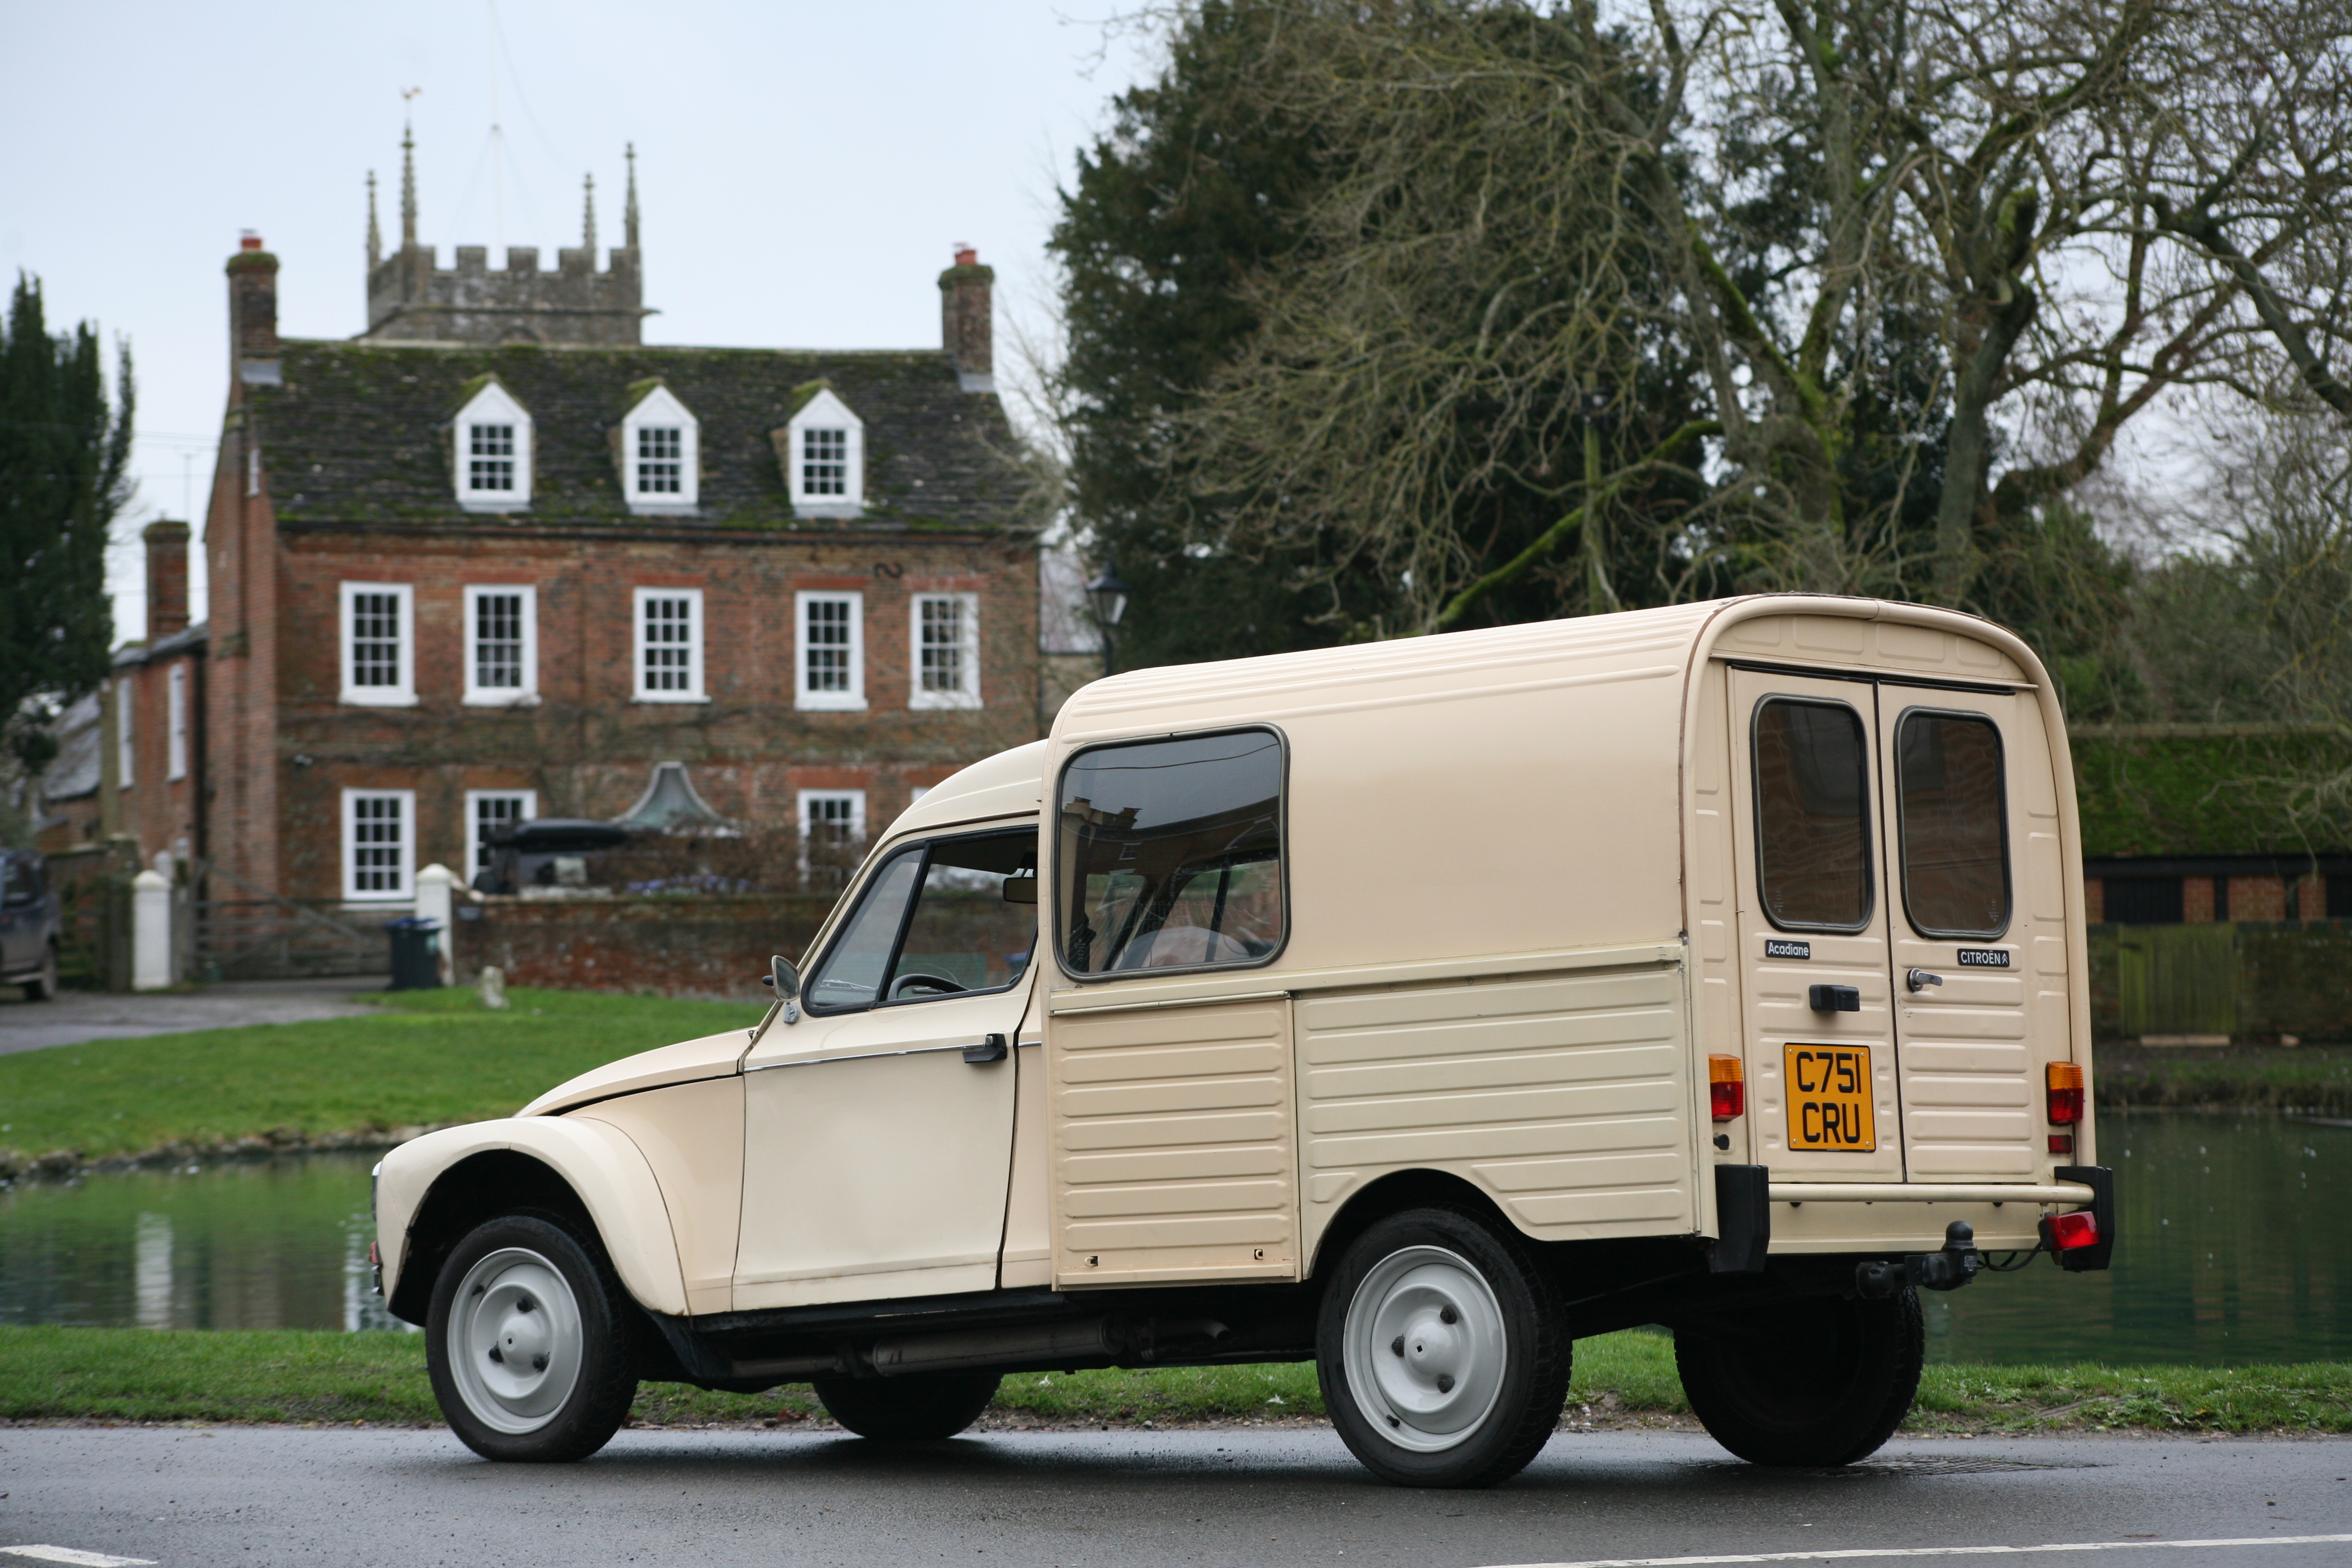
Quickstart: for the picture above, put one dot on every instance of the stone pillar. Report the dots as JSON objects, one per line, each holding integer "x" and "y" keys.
{"x": 433, "y": 904}
{"x": 151, "y": 932}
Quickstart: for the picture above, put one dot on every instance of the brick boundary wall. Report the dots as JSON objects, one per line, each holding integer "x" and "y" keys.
{"x": 715, "y": 947}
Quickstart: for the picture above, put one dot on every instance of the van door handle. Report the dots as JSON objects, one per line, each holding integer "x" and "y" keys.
{"x": 1835, "y": 998}
{"x": 991, "y": 1049}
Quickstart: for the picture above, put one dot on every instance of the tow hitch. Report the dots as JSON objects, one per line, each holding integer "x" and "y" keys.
{"x": 1949, "y": 1270}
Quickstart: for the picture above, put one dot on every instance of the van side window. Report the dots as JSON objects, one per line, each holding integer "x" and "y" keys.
{"x": 970, "y": 927}
{"x": 1171, "y": 854}
{"x": 1813, "y": 798}
{"x": 1954, "y": 825}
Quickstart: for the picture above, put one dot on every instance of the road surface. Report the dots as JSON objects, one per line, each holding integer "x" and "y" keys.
{"x": 1253, "y": 1496}
{"x": 75, "y": 1018}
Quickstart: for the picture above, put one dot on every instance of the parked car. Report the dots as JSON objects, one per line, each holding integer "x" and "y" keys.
{"x": 32, "y": 924}
{"x": 547, "y": 852}
{"x": 1417, "y": 1008}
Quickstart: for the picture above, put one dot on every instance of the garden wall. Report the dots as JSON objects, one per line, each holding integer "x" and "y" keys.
{"x": 2252, "y": 981}
{"x": 697, "y": 946}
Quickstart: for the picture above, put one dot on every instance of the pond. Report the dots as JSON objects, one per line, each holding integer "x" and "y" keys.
{"x": 2234, "y": 1249}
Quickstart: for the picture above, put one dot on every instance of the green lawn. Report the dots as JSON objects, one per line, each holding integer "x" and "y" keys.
{"x": 428, "y": 1057}
{"x": 135, "y": 1374}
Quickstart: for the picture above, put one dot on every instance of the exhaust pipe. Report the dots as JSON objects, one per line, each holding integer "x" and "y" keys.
{"x": 976, "y": 1348}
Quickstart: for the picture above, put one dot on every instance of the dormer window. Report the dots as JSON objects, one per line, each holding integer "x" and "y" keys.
{"x": 660, "y": 453}
{"x": 823, "y": 455}
{"x": 491, "y": 448}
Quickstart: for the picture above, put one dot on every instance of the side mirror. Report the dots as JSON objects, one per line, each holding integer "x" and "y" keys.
{"x": 1020, "y": 890}
{"x": 783, "y": 978}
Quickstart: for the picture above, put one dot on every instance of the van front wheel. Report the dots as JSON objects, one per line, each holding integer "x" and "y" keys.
{"x": 1440, "y": 1351}
{"x": 1819, "y": 1382}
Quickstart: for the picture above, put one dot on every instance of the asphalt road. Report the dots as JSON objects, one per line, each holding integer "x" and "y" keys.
{"x": 1253, "y": 1496}
{"x": 75, "y": 1018}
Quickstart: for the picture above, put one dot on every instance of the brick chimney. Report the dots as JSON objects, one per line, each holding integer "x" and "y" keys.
{"x": 967, "y": 325}
{"x": 253, "y": 311}
{"x": 167, "y": 579}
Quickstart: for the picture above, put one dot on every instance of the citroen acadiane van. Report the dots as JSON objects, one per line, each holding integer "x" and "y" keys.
{"x": 1418, "y": 1009}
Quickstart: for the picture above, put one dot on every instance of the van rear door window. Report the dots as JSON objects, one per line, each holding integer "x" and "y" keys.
{"x": 1171, "y": 854}
{"x": 1955, "y": 840}
{"x": 1813, "y": 798}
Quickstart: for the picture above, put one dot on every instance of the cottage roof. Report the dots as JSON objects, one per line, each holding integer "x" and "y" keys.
{"x": 360, "y": 432}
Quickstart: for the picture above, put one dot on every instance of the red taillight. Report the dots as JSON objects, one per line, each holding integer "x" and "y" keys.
{"x": 1727, "y": 1088}
{"x": 2061, "y": 1143}
{"x": 2069, "y": 1231}
{"x": 2065, "y": 1093}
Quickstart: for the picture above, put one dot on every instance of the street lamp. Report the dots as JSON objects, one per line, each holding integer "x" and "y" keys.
{"x": 1109, "y": 594}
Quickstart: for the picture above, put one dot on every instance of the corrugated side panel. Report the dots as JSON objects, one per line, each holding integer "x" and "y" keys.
{"x": 1568, "y": 1098}
{"x": 1175, "y": 1155}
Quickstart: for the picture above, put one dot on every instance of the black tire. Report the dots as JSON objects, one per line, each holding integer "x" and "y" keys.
{"x": 41, "y": 986}
{"x": 1822, "y": 1382}
{"x": 582, "y": 1334}
{"x": 918, "y": 1409}
{"x": 1415, "y": 1423}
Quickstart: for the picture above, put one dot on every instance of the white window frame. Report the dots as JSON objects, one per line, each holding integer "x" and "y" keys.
{"x": 493, "y": 405}
{"x": 126, "y": 729}
{"x": 640, "y": 691}
{"x": 809, "y": 797}
{"x": 525, "y": 695}
{"x": 853, "y": 700}
{"x": 175, "y": 728}
{"x": 966, "y": 693}
{"x": 825, "y": 412}
{"x": 660, "y": 409}
{"x": 406, "y": 892}
{"x": 402, "y": 694}
{"x": 475, "y": 859}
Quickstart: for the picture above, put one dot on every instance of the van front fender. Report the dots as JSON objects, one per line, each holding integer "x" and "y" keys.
{"x": 455, "y": 1173}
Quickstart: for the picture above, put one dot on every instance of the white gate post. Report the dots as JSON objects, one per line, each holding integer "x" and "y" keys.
{"x": 151, "y": 932}
{"x": 433, "y": 902}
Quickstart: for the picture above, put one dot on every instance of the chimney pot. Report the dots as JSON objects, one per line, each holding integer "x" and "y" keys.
{"x": 167, "y": 578}
{"x": 248, "y": 240}
{"x": 967, "y": 320}
{"x": 966, "y": 255}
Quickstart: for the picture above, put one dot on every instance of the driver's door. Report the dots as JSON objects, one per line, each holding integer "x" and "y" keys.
{"x": 879, "y": 1128}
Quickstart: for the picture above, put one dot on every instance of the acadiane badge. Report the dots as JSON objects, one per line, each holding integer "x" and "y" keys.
{"x": 1984, "y": 958}
{"x": 1775, "y": 948}
{"x": 1828, "y": 1099}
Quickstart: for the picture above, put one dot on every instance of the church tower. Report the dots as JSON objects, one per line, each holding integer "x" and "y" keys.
{"x": 410, "y": 300}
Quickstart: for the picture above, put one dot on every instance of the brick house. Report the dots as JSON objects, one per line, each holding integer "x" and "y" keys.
{"x": 496, "y": 558}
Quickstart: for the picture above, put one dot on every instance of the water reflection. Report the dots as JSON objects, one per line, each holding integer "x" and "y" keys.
{"x": 246, "y": 1245}
{"x": 2234, "y": 1249}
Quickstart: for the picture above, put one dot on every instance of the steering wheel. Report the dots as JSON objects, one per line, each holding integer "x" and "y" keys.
{"x": 936, "y": 986}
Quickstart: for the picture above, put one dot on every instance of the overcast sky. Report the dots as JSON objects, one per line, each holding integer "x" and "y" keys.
{"x": 804, "y": 170}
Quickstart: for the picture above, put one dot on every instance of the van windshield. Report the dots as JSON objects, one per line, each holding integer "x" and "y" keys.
{"x": 1171, "y": 854}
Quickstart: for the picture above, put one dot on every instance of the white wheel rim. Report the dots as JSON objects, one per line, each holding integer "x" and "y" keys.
{"x": 515, "y": 1341}
{"x": 1426, "y": 1349}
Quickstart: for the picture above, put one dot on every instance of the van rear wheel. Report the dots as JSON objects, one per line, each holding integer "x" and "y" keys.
{"x": 1440, "y": 1351}
{"x": 908, "y": 1409}
{"x": 1819, "y": 1382}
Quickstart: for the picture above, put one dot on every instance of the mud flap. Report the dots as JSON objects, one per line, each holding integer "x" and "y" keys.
{"x": 1743, "y": 1219}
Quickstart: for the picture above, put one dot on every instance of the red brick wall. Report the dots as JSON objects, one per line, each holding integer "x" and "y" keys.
{"x": 159, "y": 812}
{"x": 587, "y": 748}
{"x": 677, "y": 947}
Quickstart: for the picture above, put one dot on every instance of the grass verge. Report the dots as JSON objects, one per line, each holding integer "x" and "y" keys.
{"x": 289, "y": 1375}
{"x": 2316, "y": 1079}
{"x": 427, "y": 1059}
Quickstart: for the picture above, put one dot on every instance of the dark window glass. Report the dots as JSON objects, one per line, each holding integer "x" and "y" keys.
{"x": 2339, "y": 896}
{"x": 965, "y": 930}
{"x": 1812, "y": 799}
{"x": 1954, "y": 835}
{"x": 1171, "y": 854}
{"x": 2143, "y": 900}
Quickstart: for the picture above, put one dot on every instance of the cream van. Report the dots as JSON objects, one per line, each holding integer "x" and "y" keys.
{"x": 1418, "y": 1007}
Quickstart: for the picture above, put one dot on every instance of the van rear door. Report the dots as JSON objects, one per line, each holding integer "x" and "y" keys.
{"x": 1976, "y": 880}
{"x": 1814, "y": 928}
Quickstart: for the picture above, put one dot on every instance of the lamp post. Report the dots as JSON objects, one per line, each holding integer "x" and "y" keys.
{"x": 1109, "y": 594}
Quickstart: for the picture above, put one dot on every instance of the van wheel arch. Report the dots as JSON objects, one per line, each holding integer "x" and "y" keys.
{"x": 495, "y": 1182}
{"x": 1393, "y": 1194}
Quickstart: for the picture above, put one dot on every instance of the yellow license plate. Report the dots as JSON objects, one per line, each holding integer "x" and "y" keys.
{"x": 1828, "y": 1099}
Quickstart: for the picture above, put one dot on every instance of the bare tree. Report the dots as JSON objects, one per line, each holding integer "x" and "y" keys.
{"x": 1823, "y": 259}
